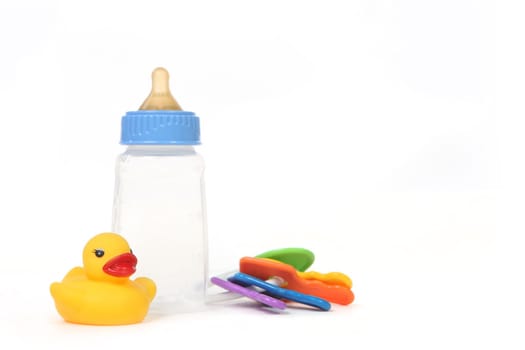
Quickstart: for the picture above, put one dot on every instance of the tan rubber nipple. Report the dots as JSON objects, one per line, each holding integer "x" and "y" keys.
{"x": 160, "y": 97}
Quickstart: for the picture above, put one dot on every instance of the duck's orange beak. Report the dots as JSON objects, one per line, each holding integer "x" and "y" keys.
{"x": 121, "y": 266}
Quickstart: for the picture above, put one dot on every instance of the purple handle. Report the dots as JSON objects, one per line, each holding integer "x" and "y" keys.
{"x": 250, "y": 293}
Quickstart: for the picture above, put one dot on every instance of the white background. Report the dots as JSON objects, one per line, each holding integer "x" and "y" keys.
{"x": 386, "y": 136}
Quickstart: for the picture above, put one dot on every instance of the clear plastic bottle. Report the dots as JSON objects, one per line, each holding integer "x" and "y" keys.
{"x": 159, "y": 203}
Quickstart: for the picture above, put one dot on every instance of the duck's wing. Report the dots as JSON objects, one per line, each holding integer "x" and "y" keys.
{"x": 67, "y": 293}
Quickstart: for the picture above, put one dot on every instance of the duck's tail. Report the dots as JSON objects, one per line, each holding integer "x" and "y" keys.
{"x": 148, "y": 285}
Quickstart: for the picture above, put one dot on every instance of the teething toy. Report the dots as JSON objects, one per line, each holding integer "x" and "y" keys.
{"x": 300, "y": 258}
{"x": 332, "y": 278}
{"x": 100, "y": 292}
{"x": 247, "y": 280}
{"x": 250, "y": 293}
{"x": 330, "y": 289}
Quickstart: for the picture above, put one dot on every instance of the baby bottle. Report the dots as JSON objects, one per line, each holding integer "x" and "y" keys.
{"x": 159, "y": 203}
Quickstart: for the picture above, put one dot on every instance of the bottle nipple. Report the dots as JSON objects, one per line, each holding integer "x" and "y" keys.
{"x": 160, "y": 97}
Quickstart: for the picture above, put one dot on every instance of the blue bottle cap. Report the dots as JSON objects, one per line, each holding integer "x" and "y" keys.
{"x": 160, "y": 128}
{"x": 160, "y": 120}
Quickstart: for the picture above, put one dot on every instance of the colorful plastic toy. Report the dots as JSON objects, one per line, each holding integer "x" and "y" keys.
{"x": 100, "y": 292}
{"x": 278, "y": 292}
{"x": 331, "y": 278}
{"x": 332, "y": 287}
{"x": 300, "y": 258}
{"x": 250, "y": 293}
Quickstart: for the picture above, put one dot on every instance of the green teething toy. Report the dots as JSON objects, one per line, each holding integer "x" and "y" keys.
{"x": 300, "y": 258}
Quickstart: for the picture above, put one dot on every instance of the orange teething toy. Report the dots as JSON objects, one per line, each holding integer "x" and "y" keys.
{"x": 335, "y": 290}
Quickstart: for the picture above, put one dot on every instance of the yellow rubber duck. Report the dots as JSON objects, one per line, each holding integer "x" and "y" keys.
{"x": 101, "y": 293}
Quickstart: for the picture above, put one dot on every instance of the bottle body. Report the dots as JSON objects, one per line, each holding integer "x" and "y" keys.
{"x": 159, "y": 206}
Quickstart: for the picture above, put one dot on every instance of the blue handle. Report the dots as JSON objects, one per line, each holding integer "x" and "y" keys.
{"x": 278, "y": 292}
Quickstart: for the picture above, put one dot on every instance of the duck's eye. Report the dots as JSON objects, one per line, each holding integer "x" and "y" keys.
{"x": 99, "y": 253}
